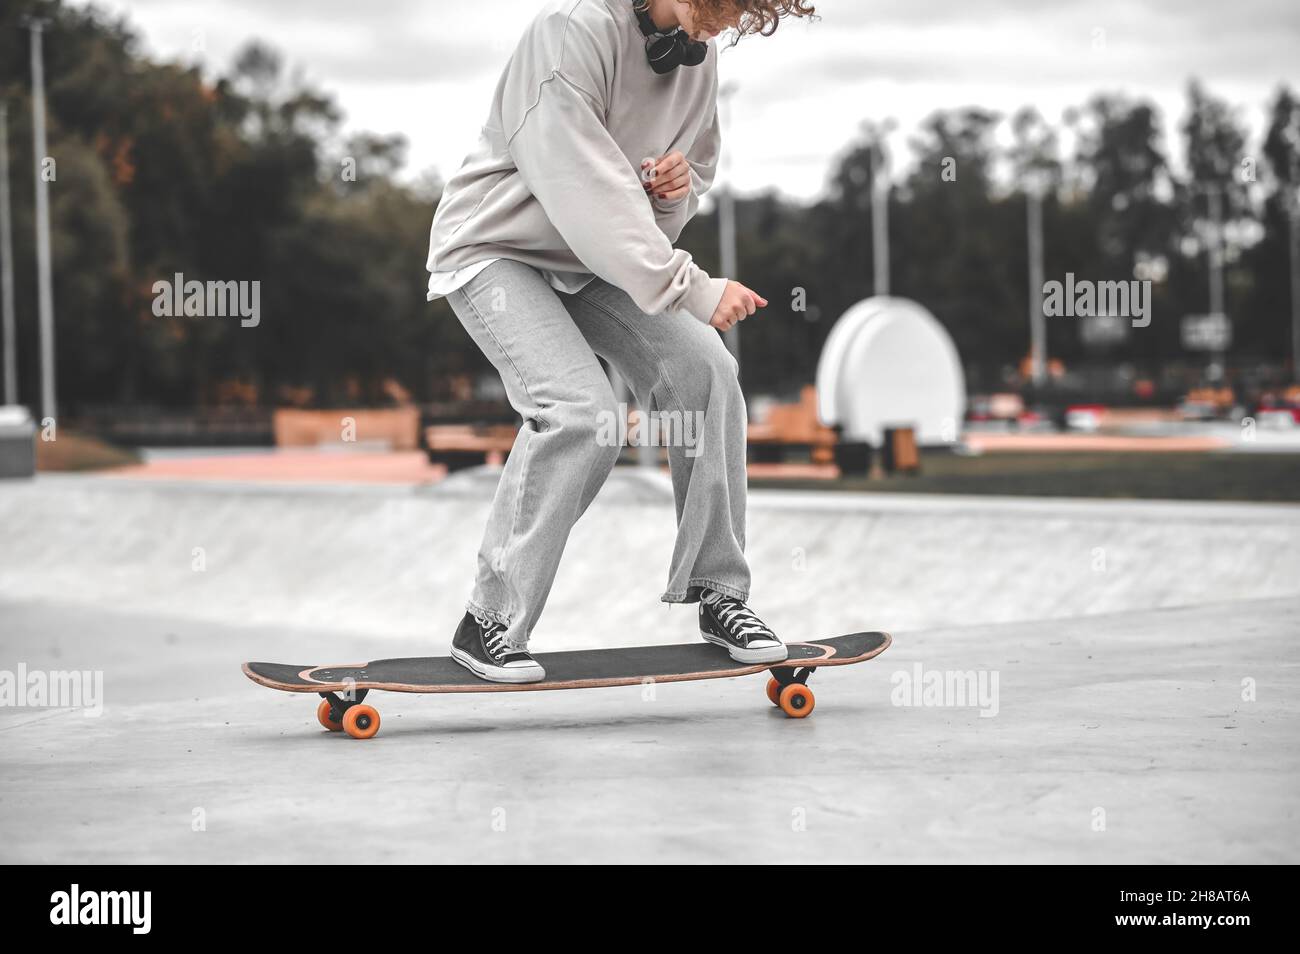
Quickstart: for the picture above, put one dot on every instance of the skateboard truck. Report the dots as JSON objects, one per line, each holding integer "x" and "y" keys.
{"x": 788, "y": 690}
{"x": 348, "y": 715}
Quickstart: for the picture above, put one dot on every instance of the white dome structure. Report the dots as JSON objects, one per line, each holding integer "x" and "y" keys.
{"x": 889, "y": 363}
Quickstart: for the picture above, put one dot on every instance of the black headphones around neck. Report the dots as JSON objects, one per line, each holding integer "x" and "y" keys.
{"x": 667, "y": 51}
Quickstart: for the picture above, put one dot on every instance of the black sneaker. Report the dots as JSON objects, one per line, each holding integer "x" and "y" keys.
{"x": 728, "y": 622}
{"x": 480, "y": 646}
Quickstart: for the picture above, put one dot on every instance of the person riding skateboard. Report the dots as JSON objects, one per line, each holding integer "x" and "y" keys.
{"x": 553, "y": 252}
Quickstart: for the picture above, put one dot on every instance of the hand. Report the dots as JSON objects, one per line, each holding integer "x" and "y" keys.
{"x": 737, "y": 304}
{"x": 670, "y": 177}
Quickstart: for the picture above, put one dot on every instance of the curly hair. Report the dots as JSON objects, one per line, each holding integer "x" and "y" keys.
{"x": 759, "y": 17}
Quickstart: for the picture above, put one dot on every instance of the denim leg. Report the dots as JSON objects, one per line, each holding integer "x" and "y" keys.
{"x": 561, "y": 456}
{"x": 679, "y": 368}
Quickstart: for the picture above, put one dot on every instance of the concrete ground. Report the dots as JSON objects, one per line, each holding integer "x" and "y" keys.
{"x": 1147, "y": 706}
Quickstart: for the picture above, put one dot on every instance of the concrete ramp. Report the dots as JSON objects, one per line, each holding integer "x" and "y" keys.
{"x": 397, "y": 562}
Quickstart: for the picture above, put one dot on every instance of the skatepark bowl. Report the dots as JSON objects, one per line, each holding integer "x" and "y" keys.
{"x": 1070, "y": 680}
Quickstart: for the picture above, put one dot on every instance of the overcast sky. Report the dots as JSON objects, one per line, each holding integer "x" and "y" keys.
{"x": 427, "y": 68}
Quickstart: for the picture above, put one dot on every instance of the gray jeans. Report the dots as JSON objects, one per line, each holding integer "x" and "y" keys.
{"x": 544, "y": 343}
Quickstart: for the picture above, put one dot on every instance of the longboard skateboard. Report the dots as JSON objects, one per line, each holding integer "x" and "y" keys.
{"x": 343, "y": 687}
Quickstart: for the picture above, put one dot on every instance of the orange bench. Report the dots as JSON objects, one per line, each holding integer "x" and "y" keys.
{"x": 467, "y": 445}
{"x": 794, "y": 426}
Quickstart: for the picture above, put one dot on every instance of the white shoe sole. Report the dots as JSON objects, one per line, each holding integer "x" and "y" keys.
{"x": 768, "y": 654}
{"x": 497, "y": 674}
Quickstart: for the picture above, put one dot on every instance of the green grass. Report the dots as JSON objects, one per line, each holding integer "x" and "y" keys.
{"x": 1178, "y": 476}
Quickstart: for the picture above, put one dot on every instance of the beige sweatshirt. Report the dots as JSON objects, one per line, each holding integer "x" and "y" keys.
{"x": 554, "y": 180}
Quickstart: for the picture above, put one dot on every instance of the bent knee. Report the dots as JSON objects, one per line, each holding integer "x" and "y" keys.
{"x": 702, "y": 374}
{"x": 589, "y": 420}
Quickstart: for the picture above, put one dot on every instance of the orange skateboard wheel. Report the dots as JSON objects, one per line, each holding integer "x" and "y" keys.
{"x": 797, "y": 701}
{"x": 774, "y": 691}
{"x": 323, "y": 716}
{"x": 361, "y": 722}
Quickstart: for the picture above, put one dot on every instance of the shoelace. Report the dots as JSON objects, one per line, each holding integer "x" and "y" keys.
{"x": 740, "y": 619}
{"x": 494, "y": 635}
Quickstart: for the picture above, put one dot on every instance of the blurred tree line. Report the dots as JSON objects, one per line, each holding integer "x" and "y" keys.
{"x": 160, "y": 171}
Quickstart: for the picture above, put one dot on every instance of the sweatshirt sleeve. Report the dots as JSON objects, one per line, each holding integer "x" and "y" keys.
{"x": 702, "y": 157}
{"x": 552, "y": 111}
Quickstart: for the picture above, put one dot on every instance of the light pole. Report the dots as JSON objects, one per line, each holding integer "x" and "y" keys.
{"x": 7, "y": 266}
{"x": 1294, "y": 208}
{"x": 1214, "y": 261}
{"x": 880, "y": 204}
{"x": 1034, "y": 189}
{"x": 1216, "y": 273}
{"x": 45, "y": 286}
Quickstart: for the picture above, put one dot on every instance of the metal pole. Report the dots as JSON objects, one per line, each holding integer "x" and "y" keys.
{"x": 1037, "y": 321}
{"x": 7, "y": 266}
{"x": 1215, "y": 196}
{"x": 727, "y": 217}
{"x": 45, "y": 286}
{"x": 1294, "y": 206}
{"x": 880, "y": 217}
